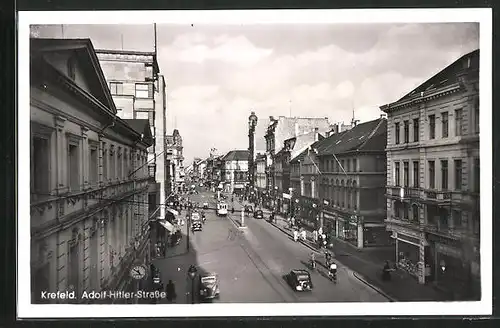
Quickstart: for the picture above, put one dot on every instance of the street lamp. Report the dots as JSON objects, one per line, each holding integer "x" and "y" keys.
{"x": 192, "y": 271}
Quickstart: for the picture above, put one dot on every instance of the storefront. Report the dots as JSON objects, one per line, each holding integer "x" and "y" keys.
{"x": 408, "y": 253}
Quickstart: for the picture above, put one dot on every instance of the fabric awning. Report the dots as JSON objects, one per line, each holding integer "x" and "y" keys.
{"x": 167, "y": 225}
{"x": 174, "y": 212}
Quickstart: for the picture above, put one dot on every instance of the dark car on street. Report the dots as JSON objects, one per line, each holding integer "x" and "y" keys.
{"x": 299, "y": 280}
{"x": 258, "y": 214}
{"x": 209, "y": 286}
{"x": 248, "y": 209}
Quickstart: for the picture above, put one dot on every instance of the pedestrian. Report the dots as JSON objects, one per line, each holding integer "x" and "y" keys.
{"x": 170, "y": 290}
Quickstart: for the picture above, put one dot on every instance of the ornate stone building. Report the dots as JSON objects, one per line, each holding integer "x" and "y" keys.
{"x": 175, "y": 162}
{"x": 433, "y": 178}
{"x": 89, "y": 178}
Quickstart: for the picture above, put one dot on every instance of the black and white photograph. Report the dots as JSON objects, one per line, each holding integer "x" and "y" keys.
{"x": 251, "y": 163}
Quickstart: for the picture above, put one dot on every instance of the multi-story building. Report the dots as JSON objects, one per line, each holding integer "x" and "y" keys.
{"x": 352, "y": 181}
{"x": 235, "y": 171}
{"x": 291, "y": 148}
{"x": 433, "y": 178}
{"x": 175, "y": 162}
{"x": 89, "y": 177}
{"x": 139, "y": 92}
{"x": 278, "y": 131}
{"x": 260, "y": 174}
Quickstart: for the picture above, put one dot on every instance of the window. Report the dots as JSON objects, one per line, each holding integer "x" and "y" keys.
{"x": 406, "y": 174}
{"x": 432, "y": 126}
{"x": 144, "y": 90}
{"x": 71, "y": 68}
{"x": 348, "y": 161}
{"x": 396, "y": 132}
{"x": 93, "y": 165}
{"x": 112, "y": 164}
{"x": 416, "y": 130}
{"x": 73, "y": 167}
{"x": 406, "y": 125}
{"x": 458, "y": 122}
{"x": 476, "y": 175}
{"x": 116, "y": 88}
{"x": 456, "y": 218}
{"x": 458, "y": 174}
{"x": 397, "y": 173}
{"x": 355, "y": 165}
{"x": 416, "y": 178}
{"x": 444, "y": 174}
{"x": 40, "y": 169}
{"x": 432, "y": 175}
{"x": 151, "y": 118}
{"x": 444, "y": 126}
{"x": 141, "y": 115}
{"x": 120, "y": 172}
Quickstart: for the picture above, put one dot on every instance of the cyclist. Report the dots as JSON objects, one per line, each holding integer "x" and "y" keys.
{"x": 313, "y": 260}
{"x": 332, "y": 271}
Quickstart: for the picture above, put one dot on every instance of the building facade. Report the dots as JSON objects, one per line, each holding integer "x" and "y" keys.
{"x": 235, "y": 171}
{"x": 260, "y": 174}
{"x": 89, "y": 177}
{"x": 433, "y": 178}
{"x": 352, "y": 182}
{"x": 139, "y": 92}
{"x": 175, "y": 162}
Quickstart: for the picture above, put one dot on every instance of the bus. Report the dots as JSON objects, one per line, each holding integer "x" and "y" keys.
{"x": 221, "y": 209}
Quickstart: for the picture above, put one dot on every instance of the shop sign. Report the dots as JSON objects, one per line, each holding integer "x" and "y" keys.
{"x": 448, "y": 250}
{"x": 287, "y": 196}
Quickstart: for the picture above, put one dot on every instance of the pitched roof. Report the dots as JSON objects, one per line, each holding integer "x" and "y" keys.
{"x": 141, "y": 126}
{"x": 86, "y": 56}
{"x": 237, "y": 155}
{"x": 370, "y": 135}
{"x": 445, "y": 77}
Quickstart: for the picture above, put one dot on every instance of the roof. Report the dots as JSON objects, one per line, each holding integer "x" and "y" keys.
{"x": 446, "y": 76}
{"x": 142, "y": 127}
{"x": 86, "y": 56}
{"x": 237, "y": 155}
{"x": 368, "y": 136}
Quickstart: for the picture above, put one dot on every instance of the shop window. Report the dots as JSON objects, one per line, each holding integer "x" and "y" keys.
{"x": 457, "y": 218}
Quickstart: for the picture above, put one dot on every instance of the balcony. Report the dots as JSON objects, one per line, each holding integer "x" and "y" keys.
{"x": 403, "y": 192}
{"x": 444, "y": 230}
{"x": 402, "y": 222}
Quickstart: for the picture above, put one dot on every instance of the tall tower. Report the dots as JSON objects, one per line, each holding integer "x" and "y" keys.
{"x": 252, "y": 123}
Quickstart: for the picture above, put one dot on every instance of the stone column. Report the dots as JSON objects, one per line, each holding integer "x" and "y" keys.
{"x": 336, "y": 228}
{"x": 61, "y": 150}
{"x": 302, "y": 186}
{"x": 313, "y": 187}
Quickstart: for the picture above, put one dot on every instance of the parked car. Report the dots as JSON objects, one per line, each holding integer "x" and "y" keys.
{"x": 258, "y": 214}
{"x": 299, "y": 280}
{"x": 196, "y": 226}
{"x": 209, "y": 286}
{"x": 248, "y": 209}
{"x": 205, "y": 205}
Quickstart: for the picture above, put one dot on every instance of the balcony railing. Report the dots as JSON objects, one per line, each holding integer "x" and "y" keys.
{"x": 407, "y": 222}
{"x": 403, "y": 192}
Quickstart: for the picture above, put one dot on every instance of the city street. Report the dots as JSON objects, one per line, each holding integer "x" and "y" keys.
{"x": 251, "y": 262}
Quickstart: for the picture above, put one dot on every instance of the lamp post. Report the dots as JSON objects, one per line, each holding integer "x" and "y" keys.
{"x": 252, "y": 123}
{"x": 192, "y": 271}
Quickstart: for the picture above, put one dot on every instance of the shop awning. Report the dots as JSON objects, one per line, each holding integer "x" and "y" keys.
{"x": 167, "y": 225}
{"x": 239, "y": 186}
{"x": 174, "y": 212}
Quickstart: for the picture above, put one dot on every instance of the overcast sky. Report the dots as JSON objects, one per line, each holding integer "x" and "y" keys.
{"x": 216, "y": 75}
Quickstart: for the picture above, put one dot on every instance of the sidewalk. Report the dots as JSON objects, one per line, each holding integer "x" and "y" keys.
{"x": 367, "y": 265}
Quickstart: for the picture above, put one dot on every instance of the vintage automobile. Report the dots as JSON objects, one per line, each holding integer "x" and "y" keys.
{"x": 196, "y": 226}
{"x": 205, "y": 205}
{"x": 299, "y": 280}
{"x": 209, "y": 286}
{"x": 258, "y": 214}
{"x": 221, "y": 209}
{"x": 248, "y": 209}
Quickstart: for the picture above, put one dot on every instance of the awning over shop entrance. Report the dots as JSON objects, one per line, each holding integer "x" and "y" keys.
{"x": 167, "y": 225}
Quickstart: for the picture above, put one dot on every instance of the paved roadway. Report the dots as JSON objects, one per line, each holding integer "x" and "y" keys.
{"x": 251, "y": 262}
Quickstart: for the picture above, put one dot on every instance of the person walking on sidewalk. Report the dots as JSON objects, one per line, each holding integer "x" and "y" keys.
{"x": 170, "y": 290}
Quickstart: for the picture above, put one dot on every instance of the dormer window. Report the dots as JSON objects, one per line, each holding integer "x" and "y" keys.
{"x": 71, "y": 67}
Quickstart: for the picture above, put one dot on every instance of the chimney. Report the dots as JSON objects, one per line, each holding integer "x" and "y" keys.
{"x": 316, "y": 134}
{"x": 296, "y": 129}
